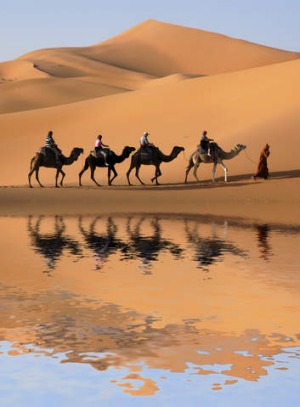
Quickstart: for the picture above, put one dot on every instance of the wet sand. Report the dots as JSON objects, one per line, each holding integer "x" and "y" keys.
{"x": 275, "y": 201}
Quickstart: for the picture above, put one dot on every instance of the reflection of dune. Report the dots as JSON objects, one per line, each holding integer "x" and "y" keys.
{"x": 233, "y": 325}
{"x": 105, "y": 337}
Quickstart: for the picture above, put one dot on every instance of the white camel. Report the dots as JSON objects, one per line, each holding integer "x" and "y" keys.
{"x": 217, "y": 158}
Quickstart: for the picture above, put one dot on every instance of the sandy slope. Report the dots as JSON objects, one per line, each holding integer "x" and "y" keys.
{"x": 163, "y": 49}
{"x": 125, "y": 62}
{"x": 251, "y": 107}
{"x": 151, "y": 78}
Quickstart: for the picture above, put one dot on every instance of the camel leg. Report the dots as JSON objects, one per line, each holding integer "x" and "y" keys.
{"x": 85, "y": 167}
{"x": 34, "y": 166}
{"x": 137, "y": 170}
{"x": 188, "y": 169}
{"x": 93, "y": 167}
{"x": 62, "y": 178}
{"x": 37, "y": 176}
{"x": 195, "y": 172}
{"x": 110, "y": 180}
{"x": 128, "y": 173}
{"x": 58, "y": 171}
{"x": 225, "y": 170}
{"x": 32, "y": 169}
{"x": 29, "y": 177}
{"x": 214, "y": 172}
{"x": 157, "y": 174}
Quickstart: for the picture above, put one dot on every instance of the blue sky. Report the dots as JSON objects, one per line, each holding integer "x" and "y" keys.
{"x": 27, "y": 25}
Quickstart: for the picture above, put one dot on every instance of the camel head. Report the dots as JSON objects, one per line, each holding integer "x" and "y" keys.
{"x": 76, "y": 152}
{"x": 178, "y": 149}
{"x": 240, "y": 147}
{"x": 129, "y": 149}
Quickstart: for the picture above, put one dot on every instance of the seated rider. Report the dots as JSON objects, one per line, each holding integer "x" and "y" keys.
{"x": 101, "y": 148}
{"x": 145, "y": 145}
{"x": 50, "y": 143}
{"x": 205, "y": 144}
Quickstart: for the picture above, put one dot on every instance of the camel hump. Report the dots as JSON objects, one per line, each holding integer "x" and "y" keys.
{"x": 42, "y": 150}
{"x": 147, "y": 152}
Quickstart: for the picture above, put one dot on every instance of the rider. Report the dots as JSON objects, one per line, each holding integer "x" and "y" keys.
{"x": 50, "y": 143}
{"x": 145, "y": 145}
{"x": 101, "y": 148}
{"x": 204, "y": 146}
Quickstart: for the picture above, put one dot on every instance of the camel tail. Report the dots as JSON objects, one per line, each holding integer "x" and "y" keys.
{"x": 33, "y": 160}
{"x": 31, "y": 163}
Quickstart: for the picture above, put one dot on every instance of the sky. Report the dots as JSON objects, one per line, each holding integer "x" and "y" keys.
{"x": 28, "y": 25}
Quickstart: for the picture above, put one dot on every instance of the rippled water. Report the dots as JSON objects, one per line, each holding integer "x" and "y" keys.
{"x": 148, "y": 310}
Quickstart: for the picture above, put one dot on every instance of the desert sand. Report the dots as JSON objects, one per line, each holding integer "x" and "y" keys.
{"x": 173, "y": 82}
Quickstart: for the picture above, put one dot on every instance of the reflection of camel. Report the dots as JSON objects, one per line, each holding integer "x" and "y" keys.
{"x": 209, "y": 250}
{"x": 155, "y": 159}
{"x": 263, "y": 241}
{"x": 197, "y": 158}
{"x": 98, "y": 321}
{"x": 51, "y": 245}
{"x": 48, "y": 159}
{"x": 106, "y": 336}
{"x": 147, "y": 248}
{"x": 112, "y": 159}
{"x": 102, "y": 244}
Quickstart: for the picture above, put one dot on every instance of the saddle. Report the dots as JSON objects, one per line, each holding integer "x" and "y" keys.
{"x": 146, "y": 153}
{"x": 44, "y": 150}
{"x": 101, "y": 153}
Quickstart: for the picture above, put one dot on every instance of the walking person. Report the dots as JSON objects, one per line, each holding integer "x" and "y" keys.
{"x": 262, "y": 168}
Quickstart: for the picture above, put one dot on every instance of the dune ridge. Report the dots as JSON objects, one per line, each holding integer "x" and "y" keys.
{"x": 133, "y": 59}
{"x": 115, "y": 89}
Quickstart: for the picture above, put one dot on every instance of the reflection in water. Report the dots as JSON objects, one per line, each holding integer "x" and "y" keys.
{"x": 209, "y": 249}
{"x": 236, "y": 327}
{"x": 51, "y": 244}
{"x": 104, "y": 243}
{"x": 147, "y": 247}
{"x": 263, "y": 241}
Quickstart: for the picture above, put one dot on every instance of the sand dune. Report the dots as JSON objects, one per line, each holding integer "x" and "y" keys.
{"x": 251, "y": 107}
{"x": 163, "y": 49}
{"x": 119, "y": 88}
{"x": 126, "y": 62}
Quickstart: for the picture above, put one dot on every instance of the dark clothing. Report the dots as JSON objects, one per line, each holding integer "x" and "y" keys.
{"x": 204, "y": 143}
{"x": 262, "y": 169}
{"x": 50, "y": 143}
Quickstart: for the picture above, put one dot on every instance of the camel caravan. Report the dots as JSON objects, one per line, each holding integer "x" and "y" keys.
{"x": 50, "y": 156}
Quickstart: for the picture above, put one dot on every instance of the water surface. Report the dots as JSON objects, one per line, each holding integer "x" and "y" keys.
{"x": 147, "y": 310}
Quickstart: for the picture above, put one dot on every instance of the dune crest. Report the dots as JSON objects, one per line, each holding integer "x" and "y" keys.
{"x": 163, "y": 49}
{"x": 151, "y": 78}
{"x": 129, "y": 61}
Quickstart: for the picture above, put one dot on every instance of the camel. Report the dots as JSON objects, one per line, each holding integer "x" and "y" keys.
{"x": 156, "y": 159}
{"x": 46, "y": 158}
{"x": 147, "y": 246}
{"x": 92, "y": 162}
{"x": 51, "y": 245}
{"x": 217, "y": 158}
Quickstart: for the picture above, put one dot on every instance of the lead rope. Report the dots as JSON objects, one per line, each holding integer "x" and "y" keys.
{"x": 252, "y": 161}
